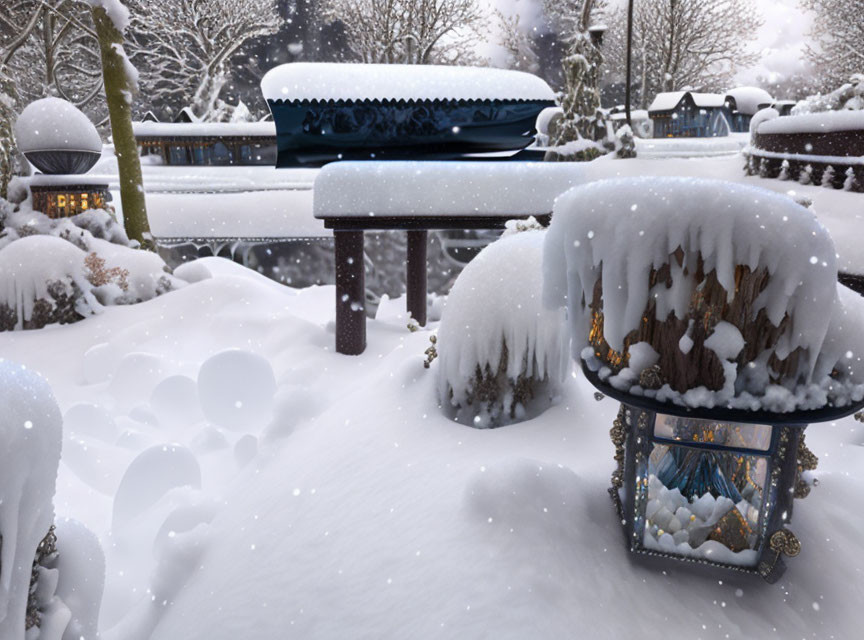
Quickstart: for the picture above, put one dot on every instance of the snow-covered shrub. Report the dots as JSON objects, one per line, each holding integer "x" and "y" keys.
{"x": 851, "y": 182}
{"x": 806, "y": 175}
{"x": 720, "y": 306}
{"x": 502, "y": 356}
{"x": 849, "y": 96}
{"x": 31, "y": 433}
{"x": 828, "y": 177}
{"x": 784, "y": 170}
{"x": 63, "y": 270}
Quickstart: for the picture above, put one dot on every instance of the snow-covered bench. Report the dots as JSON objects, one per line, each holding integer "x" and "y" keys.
{"x": 351, "y": 197}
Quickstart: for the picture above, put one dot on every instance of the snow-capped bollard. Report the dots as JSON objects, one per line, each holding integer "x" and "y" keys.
{"x": 712, "y": 312}
{"x": 30, "y": 441}
{"x": 502, "y": 356}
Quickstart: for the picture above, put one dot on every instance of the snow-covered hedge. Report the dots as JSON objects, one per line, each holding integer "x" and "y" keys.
{"x": 502, "y": 356}
{"x": 61, "y": 271}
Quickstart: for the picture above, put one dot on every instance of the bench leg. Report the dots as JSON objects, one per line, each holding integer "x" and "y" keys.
{"x": 416, "y": 276}
{"x": 350, "y": 293}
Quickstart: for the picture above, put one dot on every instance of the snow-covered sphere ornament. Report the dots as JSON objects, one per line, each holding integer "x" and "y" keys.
{"x": 57, "y": 138}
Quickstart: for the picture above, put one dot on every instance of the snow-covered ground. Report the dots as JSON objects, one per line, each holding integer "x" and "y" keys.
{"x": 353, "y": 508}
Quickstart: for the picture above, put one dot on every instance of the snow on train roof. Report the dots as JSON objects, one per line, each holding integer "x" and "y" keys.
{"x": 204, "y": 129}
{"x": 335, "y": 81}
{"x": 822, "y": 122}
{"x": 749, "y": 99}
{"x": 670, "y": 99}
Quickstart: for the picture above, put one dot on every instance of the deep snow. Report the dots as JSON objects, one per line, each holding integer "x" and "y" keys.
{"x": 365, "y": 512}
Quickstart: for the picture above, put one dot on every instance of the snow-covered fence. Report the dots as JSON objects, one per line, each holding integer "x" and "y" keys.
{"x": 502, "y": 355}
{"x": 826, "y": 147}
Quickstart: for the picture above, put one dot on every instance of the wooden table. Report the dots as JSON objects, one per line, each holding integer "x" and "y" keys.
{"x": 350, "y": 269}
{"x": 416, "y": 196}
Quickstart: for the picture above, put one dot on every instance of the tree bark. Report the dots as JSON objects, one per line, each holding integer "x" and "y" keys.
{"x": 118, "y": 94}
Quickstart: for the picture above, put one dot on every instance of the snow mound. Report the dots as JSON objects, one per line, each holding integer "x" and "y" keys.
{"x": 31, "y": 430}
{"x": 502, "y": 355}
{"x": 175, "y": 401}
{"x": 150, "y": 476}
{"x": 136, "y": 375}
{"x": 86, "y": 419}
{"x": 526, "y": 495}
{"x": 622, "y": 229}
{"x": 53, "y": 124}
{"x": 81, "y": 571}
{"x": 237, "y": 390}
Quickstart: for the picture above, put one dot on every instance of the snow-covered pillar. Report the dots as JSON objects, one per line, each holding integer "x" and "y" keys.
{"x": 30, "y": 440}
{"x": 350, "y": 293}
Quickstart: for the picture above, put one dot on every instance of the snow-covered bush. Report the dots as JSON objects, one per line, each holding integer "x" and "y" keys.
{"x": 849, "y": 96}
{"x": 63, "y": 270}
{"x": 31, "y": 433}
{"x": 502, "y": 356}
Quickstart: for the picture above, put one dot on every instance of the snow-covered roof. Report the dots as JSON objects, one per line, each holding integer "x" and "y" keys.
{"x": 337, "y": 81}
{"x": 436, "y": 188}
{"x": 669, "y": 100}
{"x": 749, "y": 99}
{"x": 203, "y": 129}
{"x": 52, "y": 124}
{"x": 666, "y": 101}
{"x": 822, "y": 122}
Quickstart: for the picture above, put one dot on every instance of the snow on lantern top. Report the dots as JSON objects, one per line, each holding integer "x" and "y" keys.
{"x": 57, "y": 137}
{"x": 334, "y": 81}
{"x": 704, "y": 293}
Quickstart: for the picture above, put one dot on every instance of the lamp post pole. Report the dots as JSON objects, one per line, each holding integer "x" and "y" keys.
{"x": 629, "y": 56}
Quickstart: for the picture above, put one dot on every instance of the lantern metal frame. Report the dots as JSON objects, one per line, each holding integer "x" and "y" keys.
{"x": 634, "y": 438}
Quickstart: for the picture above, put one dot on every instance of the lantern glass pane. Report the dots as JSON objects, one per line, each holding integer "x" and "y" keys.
{"x": 721, "y": 434}
{"x": 704, "y": 503}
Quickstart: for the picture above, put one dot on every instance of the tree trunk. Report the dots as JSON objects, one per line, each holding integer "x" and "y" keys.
{"x": 8, "y": 98}
{"x": 118, "y": 95}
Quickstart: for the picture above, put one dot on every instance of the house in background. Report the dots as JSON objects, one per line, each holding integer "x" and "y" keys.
{"x": 687, "y": 114}
{"x": 743, "y": 103}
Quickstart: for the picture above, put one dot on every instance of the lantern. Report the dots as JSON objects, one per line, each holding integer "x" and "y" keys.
{"x": 711, "y": 311}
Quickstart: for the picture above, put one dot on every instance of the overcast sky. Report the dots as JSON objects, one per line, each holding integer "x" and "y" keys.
{"x": 780, "y": 41}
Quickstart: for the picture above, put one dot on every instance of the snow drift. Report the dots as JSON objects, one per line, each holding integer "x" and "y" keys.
{"x": 502, "y": 355}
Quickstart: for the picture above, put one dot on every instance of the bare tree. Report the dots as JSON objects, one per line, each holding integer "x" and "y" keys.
{"x": 683, "y": 43}
{"x": 49, "y": 48}
{"x": 838, "y": 34}
{"x": 183, "y": 47}
{"x": 517, "y": 42}
{"x": 410, "y": 31}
